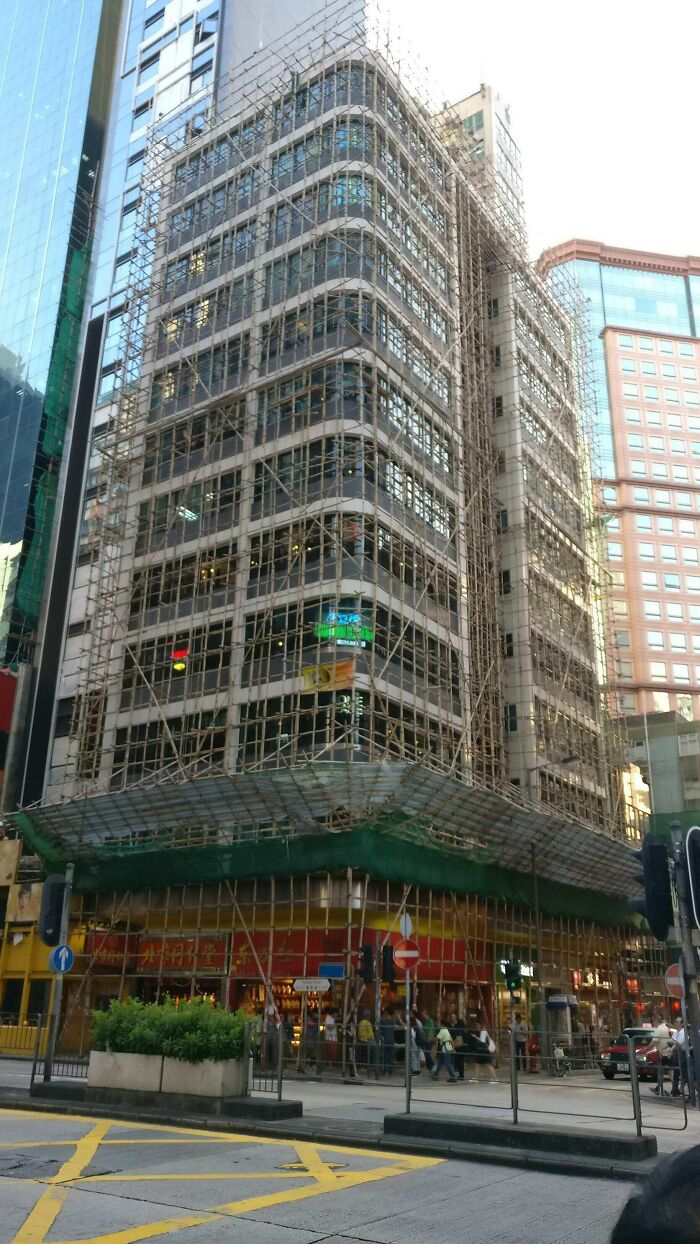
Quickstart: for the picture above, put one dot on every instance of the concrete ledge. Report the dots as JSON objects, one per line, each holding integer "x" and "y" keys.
{"x": 59, "y": 1090}
{"x": 192, "y": 1104}
{"x": 542, "y": 1139}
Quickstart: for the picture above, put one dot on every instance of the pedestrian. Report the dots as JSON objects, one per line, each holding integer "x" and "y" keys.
{"x": 458, "y": 1034}
{"x": 365, "y": 1041}
{"x": 520, "y": 1031}
{"x": 679, "y": 1058}
{"x": 661, "y": 1042}
{"x": 330, "y": 1037}
{"x": 387, "y": 1036}
{"x": 444, "y": 1054}
{"x": 485, "y": 1069}
{"x": 413, "y": 1046}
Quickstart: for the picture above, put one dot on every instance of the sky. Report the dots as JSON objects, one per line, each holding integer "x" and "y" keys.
{"x": 604, "y": 104}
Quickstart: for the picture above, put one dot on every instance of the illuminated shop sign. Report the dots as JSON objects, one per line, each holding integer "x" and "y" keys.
{"x": 345, "y": 628}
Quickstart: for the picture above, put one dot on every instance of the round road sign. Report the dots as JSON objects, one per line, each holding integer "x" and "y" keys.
{"x": 406, "y": 954}
{"x": 675, "y": 985}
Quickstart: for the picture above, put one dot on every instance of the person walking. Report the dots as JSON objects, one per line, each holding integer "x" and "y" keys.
{"x": 413, "y": 1046}
{"x": 458, "y": 1034}
{"x": 485, "y": 1069}
{"x": 387, "y": 1036}
{"x": 680, "y": 1058}
{"x": 661, "y": 1042}
{"x": 520, "y": 1031}
{"x": 444, "y": 1054}
{"x": 330, "y": 1039}
{"x": 365, "y": 1041}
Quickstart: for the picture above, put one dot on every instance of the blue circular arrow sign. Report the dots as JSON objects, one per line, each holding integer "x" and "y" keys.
{"x": 61, "y": 959}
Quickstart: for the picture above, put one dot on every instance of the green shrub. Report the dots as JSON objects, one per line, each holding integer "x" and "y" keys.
{"x": 192, "y": 1030}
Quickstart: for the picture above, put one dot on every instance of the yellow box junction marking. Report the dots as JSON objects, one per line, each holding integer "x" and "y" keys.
{"x": 322, "y": 1175}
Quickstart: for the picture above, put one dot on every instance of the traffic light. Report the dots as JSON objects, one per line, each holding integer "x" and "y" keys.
{"x": 692, "y": 853}
{"x": 367, "y": 964}
{"x": 511, "y": 971}
{"x": 388, "y": 965}
{"x": 51, "y": 910}
{"x": 656, "y": 906}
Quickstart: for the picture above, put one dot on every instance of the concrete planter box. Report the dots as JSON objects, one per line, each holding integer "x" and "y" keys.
{"x": 228, "y": 1078}
{"x": 151, "y": 1073}
{"x": 142, "y": 1072}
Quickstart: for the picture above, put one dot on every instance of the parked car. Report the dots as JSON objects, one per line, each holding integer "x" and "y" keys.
{"x": 613, "y": 1059}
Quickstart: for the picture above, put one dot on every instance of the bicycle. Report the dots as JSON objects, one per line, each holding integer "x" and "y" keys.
{"x": 561, "y": 1064}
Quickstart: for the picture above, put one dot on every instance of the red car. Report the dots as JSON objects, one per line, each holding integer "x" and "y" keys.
{"x": 613, "y": 1059}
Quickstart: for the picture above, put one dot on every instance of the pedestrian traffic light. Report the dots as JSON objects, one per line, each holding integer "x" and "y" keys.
{"x": 511, "y": 971}
{"x": 367, "y": 964}
{"x": 657, "y": 905}
{"x": 692, "y": 853}
{"x": 51, "y": 910}
{"x": 388, "y": 965}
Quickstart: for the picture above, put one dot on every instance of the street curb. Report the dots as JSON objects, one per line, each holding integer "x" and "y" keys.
{"x": 336, "y": 1134}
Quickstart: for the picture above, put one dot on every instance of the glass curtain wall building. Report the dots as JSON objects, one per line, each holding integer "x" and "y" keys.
{"x": 56, "y": 64}
{"x": 644, "y": 312}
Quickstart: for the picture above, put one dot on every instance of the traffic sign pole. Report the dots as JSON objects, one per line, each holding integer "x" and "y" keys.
{"x": 408, "y": 1044}
{"x": 57, "y": 993}
{"x": 689, "y": 959}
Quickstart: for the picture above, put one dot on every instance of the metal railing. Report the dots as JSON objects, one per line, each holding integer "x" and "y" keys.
{"x": 17, "y": 1039}
{"x": 266, "y": 1054}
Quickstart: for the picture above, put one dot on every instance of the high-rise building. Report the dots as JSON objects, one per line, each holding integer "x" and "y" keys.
{"x": 334, "y": 644}
{"x": 644, "y": 310}
{"x": 56, "y": 67}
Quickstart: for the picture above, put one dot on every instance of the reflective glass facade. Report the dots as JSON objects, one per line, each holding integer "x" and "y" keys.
{"x": 630, "y": 298}
{"x": 53, "y": 109}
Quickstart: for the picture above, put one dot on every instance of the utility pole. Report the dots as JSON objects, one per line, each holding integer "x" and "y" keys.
{"x": 689, "y": 952}
{"x": 58, "y": 979}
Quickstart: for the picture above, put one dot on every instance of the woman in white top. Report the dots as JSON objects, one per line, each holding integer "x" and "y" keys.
{"x": 485, "y": 1069}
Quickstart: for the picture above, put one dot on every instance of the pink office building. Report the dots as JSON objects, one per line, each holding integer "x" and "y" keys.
{"x": 645, "y": 313}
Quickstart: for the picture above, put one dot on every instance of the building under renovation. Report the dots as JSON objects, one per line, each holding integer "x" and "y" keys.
{"x": 337, "y": 644}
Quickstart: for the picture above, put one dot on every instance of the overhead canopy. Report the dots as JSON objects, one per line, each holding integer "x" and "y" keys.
{"x": 193, "y": 827}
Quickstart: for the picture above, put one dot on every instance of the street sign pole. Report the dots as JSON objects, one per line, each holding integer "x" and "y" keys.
{"x": 408, "y": 1047}
{"x": 378, "y": 1052}
{"x": 689, "y": 959}
{"x": 58, "y": 979}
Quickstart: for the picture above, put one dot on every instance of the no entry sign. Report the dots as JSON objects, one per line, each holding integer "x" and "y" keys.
{"x": 406, "y": 954}
{"x": 675, "y": 985}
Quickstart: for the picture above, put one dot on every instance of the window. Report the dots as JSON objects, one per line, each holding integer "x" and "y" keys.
{"x": 632, "y": 415}
{"x": 641, "y": 496}
{"x": 669, "y": 553}
{"x": 691, "y": 398}
{"x": 652, "y": 608}
{"x": 686, "y": 526}
{"x": 635, "y": 441}
{"x": 207, "y": 24}
{"x": 625, "y": 340}
{"x": 684, "y": 500}
{"x": 612, "y": 522}
{"x": 638, "y": 467}
{"x": 646, "y": 551}
{"x": 672, "y": 396}
{"x": 674, "y": 613}
{"x": 628, "y": 702}
{"x": 619, "y": 608}
{"x": 630, "y": 390}
{"x": 656, "y": 443}
{"x": 625, "y": 671}
{"x": 692, "y": 582}
{"x": 696, "y": 643}
{"x": 659, "y": 470}
{"x": 690, "y": 556}
{"x": 504, "y": 583}
{"x": 672, "y": 582}
{"x": 665, "y": 347}
{"x": 661, "y": 701}
{"x": 650, "y": 578}
{"x": 628, "y": 365}
{"x": 681, "y": 673}
{"x": 694, "y": 613}
{"x": 677, "y": 447}
{"x": 677, "y": 639}
{"x": 688, "y": 373}
{"x": 618, "y": 578}
{"x": 657, "y": 670}
{"x": 675, "y": 422}
{"x": 651, "y": 392}
{"x": 686, "y": 350}
{"x": 648, "y": 368}
{"x": 610, "y": 494}
{"x": 664, "y": 525}
{"x": 149, "y": 68}
{"x": 684, "y": 706}
{"x": 654, "y": 418}
{"x": 511, "y": 718}
{"x": 680, "y": 473}
{"x": 622, "y": 639}
{"x": 646, "y": 343}
{"x": 662, "y": 496}
{"x": 475, "y": 122}
{"x": 644, "y": 522}
{"x": 614, "y": 549}
{"x": 655, "y": 639}
{"x": 668, "y": 371}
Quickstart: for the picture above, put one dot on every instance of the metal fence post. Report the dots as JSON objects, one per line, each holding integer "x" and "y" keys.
{"x": 58, "y": 980}
{"x": 280, "y": 1059}
{"x": 634, "y": 1081}
{"x": 513, "y": 1075}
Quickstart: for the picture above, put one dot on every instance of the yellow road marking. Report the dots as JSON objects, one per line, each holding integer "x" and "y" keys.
{"x": 327, "y": 1176}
